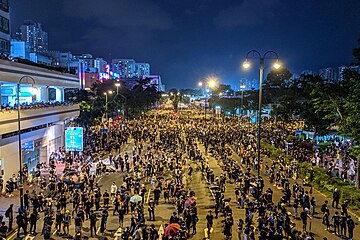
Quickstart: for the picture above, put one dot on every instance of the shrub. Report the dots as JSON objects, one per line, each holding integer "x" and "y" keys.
{"x": 321, "y": 180}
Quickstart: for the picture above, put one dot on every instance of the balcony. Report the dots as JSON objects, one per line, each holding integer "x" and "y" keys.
{"x": 36, "y": 117}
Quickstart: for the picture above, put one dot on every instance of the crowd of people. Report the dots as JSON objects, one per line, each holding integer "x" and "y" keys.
{"x": 34, "y": 105}
{"x": 157, "y": 170}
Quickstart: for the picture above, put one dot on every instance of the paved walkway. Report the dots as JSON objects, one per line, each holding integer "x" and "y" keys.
{"x": 317, "y": 226}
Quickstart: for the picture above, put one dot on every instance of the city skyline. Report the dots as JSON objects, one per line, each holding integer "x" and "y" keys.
{"x": 185, "y": 42}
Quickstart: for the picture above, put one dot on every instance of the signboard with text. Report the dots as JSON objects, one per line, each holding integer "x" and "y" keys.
{"x": 74, "y": 139}
{"x": 27, "y": 147}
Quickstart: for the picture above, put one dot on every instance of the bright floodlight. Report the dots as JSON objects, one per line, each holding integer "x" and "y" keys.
{"x": 242, "y": 86}
{"x": 212, "y": 83}
{"x": 200, "y": 84}
{"x": 110, "y": 92}
{"x": 246, "y": 64}
{"x": 117, "y": 84}
{"x": 277, "y": 65}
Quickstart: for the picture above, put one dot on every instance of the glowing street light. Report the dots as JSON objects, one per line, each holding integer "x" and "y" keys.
{"x": 200, "y": 84}
{"x": 277, "y": 65}
{"x": 246, "y": 65}
{"x": 212, "y": 83}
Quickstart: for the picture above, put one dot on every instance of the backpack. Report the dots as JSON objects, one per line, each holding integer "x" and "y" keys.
{"x": 323, "y": 208}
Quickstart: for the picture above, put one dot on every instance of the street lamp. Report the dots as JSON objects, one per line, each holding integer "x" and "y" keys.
{"x": 246, "y": 65}
{"x": 242, "y": 86}
{"x": 106, "y": 103}
{"x": 117, "y": 85}
{"x": 19, "y": 135}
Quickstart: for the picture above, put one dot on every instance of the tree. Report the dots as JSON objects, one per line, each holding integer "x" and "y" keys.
{"x": 223, "y": 88}
{"x": 356, "y": 53}
{"x": 275, "y": 84}
{"x": 175, "y": 97}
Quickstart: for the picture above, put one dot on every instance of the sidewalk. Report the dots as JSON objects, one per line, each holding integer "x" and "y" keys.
{"x": 317, "y": 226}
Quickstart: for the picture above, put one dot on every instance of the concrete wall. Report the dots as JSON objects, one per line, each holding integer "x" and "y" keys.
{"x": 53, "y": 138}
{"x": 36, "y": 117}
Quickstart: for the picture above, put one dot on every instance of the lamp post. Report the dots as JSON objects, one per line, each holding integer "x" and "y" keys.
{"x": 19, "y": 136}
{"x": 242, "y": 86}
{"x": 211, "y": 83}
{"x": 117, "y": 85}
{"x": 106, "y": 103}
{"x": 246, "y": 64}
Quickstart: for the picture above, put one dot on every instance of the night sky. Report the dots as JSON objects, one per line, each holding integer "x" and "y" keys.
{"x": 187, "y": 40}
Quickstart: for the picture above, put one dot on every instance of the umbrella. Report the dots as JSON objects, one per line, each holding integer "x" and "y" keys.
{"x": 214, "y": 187}
{"x": 136, "y": 198}
{"x": 189, "y": 201}
{"x": 171, "y": 229}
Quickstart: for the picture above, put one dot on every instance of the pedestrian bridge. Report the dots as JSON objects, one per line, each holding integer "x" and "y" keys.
{"x": 36, "y": 117}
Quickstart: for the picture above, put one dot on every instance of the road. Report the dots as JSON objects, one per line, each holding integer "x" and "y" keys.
{"x": 205, "y": 202}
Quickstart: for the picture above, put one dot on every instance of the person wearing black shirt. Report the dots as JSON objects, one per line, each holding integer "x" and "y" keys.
{"x": 33, "y": 219}
{"x": 153, "y": 233}
{"x": 93, "y": 220}
{"x": 106, "y": 198}
{"x": 336, "y": 198}
{"x": 210, "y": 222}
{"x": 78, "y": 224}
{"x": 151, "y": 210}
{"x": 343, "y": 224}
{"x": 20, "y": 221}
{"x": 26, "y": 200}
{"x": 351, "y": 226}
{"x": 58, "y": 220}
{"x": 3, "y": 230}
{"x": 104, "y": 217}
{"x": 304, "y": 216}
{"x": 336, "y": 220}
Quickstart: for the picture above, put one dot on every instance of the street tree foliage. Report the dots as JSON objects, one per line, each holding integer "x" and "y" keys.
{"x": 321, "y": 103}
{"x": 130, "y": 101}
{"x": 224, "y": 89}
{"x": 175, "y": 96}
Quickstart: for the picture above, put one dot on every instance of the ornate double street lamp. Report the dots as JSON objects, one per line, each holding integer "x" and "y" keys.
{"x": 254, "y": 54}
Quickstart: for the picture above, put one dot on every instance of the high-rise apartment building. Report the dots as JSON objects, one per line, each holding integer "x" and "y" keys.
{"x": 33, "y": 33}
{"x": 344, "y": 68}
{"x": 330, "y": 74}
{"x": 92, "y": 64}
{"x": 4, "y": 27}
{"x": 128, "y": 68}
{"x": 141, "y": 69}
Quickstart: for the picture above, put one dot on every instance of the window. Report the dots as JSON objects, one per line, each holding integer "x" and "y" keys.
{"x": 4, "y": 5}
{"x": 4, "y": 45}
{"x": 4, "y": 25}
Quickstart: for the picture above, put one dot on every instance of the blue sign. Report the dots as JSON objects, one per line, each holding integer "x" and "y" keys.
{"x": 74, "y": 139}
{"x": 27, "y": 147}
{"x": 104, "y": 130}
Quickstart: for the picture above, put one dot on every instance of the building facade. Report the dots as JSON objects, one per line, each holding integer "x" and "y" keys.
{"x": 42, "y": 128}
{"x": 20, "y": 49}
{"x": 4, "y": 27}
{"x": 129, "y": 68}
{"x": 34, "y": 34}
